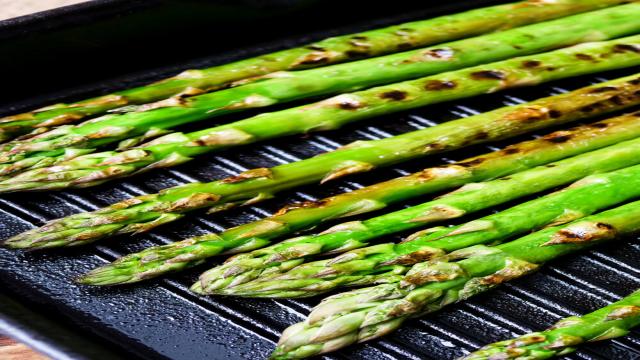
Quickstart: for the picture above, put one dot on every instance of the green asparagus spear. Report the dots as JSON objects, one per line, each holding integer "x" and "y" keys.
{"x": 333, "y": 50}
{"x": 368, "y": 313}
{"x": 609, "y": 322}
{"x": 149, "y": 120}
{"x": 375, "y": 263}
{"x": 158, "y": 260}
{"x": 145, "y": 212}
{"x": 470, "y": 198}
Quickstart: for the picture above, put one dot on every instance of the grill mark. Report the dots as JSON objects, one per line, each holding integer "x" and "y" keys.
{"x": 434, "y": 85}
{"x": 396, "y": 95}
{"x": 488, "y": 75}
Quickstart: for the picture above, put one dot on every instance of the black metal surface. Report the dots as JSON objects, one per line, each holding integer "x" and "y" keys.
{"x": 162, "y": 319}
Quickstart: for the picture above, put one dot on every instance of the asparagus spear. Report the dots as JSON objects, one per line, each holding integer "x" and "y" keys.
{"x": 158, "y": 260}
{"x": 143, "y": 213}
{"x": 333, "y": 50}
{"x": 471, "y": 198}
{"x": 150, "y": 120}
{"x": 146, "y": 212}
{"x": 382, "y": 262}
{"x": 609, "y": 322}
{"x": 364, "y": 314}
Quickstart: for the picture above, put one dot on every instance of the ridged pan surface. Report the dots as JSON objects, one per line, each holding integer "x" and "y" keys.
{"x": 162, "y": 319}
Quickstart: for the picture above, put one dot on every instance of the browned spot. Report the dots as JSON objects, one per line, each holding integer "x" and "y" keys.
{"x": 315, "y": 48}
{"x": 438, "y": 53}
{"x": 634, "y": 81}
{"x": 349, "y": 105}
{"x": 621, "y": 48}
{"x": 488, "y": 75}
{"x": 517, "y": 47}
{"x": 527, "y": 114}
{"x": 528, "y": 64}
{"x": 435, "y": 85}
{"x": 599, "y": 125}
{"x": 551, "y": 165}
{"x": 406, "y": 29}
{"x": 505, "y": 178}
{"x": 314, "y": 59}
{"x": 604, "y": 226}
{"x": 394, "y": 95}
{"x": 357, "y": 53}
{"x": 436, "y": 146}
{"x": 587, "y": 109}
{"x": 555, "y": 114}
{"x": 557, "y": 139}
{"x": 481, "y": 135}
{"x": 603, "y": 89}
{"x": 617, "y": 100}
{"x": 404, "y": 45}
{"x": 470, "y": 163}
{"x": 511, "y": 150}
{"x": 637, "y": 114}
{"x": 360, "y": 37}
{"x": 585, "y": 57}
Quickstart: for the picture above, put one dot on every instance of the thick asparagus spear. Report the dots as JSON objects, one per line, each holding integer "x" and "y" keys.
{"x": 69, "y": 141}
{"x": 333, "y": 50}
{"x": 146, "y": 212}
{"x": 158, "y": 260}
{"x": 368, "y": 313}
{"x": 606, "y": 323}
{"x": 379, "y": 262}
{"x": 471, "y": 198}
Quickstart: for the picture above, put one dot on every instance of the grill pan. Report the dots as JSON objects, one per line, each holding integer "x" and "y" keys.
{"x": 100, "y": 46}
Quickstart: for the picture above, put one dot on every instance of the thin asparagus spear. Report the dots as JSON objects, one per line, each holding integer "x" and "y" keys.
{"x": 471, "y": 198}
{"x": 158, "y": 260}
{"x": 333, "y": 50}
{"x": 377, "y": 263}
{"x": 149, "y": 120}
{"x": 609, "y": 322}
{"x": 145, "y": 212}
{"x": 368, "y": 313}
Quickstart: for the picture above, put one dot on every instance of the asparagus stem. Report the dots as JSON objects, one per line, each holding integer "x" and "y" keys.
{"x": 329, "y": 51}
{"x": 158, "y": 260}
{"x": 146, "y": 212}
{"x": 606, "y": 323}
{"x": 386, "y": 262}
{"x": 66, "y": 142}
{"x": 368, "y": 313}
{"x": 470, "y": 198}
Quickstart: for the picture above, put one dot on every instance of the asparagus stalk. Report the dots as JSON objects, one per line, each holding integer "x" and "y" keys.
{"x": 385, "y": 262}
{"x": 149, "y": 120}
{"x": 278, "y": 258}
{"x": 329, "y": 51}
{"x": 368, "y": 313}
{"x": 158, "y": 260}
{"x": 609, "y": 322}
{"x": 143, "y": 213}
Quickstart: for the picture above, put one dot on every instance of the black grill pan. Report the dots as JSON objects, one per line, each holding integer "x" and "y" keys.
{"x": 99, "y": 46}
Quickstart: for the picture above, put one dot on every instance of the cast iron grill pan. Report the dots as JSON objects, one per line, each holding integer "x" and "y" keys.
{"x": 162, "y": 319}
